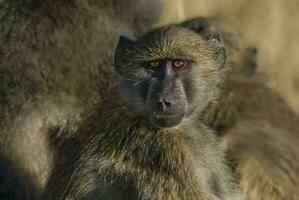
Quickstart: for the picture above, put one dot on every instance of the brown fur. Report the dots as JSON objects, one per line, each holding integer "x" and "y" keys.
{"x": 262, "y": 133}
{"x": 118, "y": 154}
{"x": 258, "y": 128}
{"x": 55, "y": 57}
{"x": 127, "y": 151}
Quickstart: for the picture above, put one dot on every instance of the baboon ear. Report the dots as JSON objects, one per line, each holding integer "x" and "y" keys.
{"x": 121, "y": 52}
{"x": 220, "y": 53}
{"x": 123, "y": 44}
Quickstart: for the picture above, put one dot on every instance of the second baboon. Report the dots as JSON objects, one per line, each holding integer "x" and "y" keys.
{"x": 144, "y": 141}
{"x": 261, "y": 133}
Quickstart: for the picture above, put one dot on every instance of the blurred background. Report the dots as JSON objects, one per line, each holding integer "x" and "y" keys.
{"x": 270, "y": 25}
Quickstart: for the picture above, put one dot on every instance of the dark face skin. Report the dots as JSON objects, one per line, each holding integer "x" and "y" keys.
{"x": 161, "y": 88}
{"x": 165, "y": 96}
{"x": 162, "y": 96}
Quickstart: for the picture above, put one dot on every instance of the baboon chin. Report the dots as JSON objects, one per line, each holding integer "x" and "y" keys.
{"x": 143, "y": 142}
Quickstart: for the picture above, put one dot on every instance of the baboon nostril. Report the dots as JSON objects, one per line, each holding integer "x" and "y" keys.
{"x": 167, "y": 104}
{"x": 163, "y": 105}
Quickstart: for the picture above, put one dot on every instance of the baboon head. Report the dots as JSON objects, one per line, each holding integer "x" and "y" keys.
{"x": 170, "y": 74}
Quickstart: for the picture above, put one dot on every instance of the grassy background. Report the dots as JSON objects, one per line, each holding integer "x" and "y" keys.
{"x": 270, "y": 25}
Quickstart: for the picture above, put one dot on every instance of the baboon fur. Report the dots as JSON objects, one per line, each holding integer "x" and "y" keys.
{"x": 261, "y": 133}
{"x": 47, "y": 93}
{"x": 55, "y": 64}
{"x": 120, "y": 154}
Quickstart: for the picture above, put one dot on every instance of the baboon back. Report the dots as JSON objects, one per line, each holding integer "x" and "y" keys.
{"x": 260, "y": 132}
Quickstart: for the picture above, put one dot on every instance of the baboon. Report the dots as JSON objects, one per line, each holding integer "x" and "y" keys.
{"x": 258, "y": 129}
{"x": 144, "y": 140}
{"x": 261, "y": 133}
{"x": 55, "y": 57}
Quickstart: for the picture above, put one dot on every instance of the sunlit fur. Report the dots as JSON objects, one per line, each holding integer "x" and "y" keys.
{"x": 260, "y": 132}
{"x": 258, "y": 129}
{"x": 118, "y": 153}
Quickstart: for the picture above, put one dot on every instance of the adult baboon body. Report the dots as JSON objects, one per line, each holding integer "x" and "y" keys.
{"x": 144, "y": 141}
{"x": 55, "y": 63}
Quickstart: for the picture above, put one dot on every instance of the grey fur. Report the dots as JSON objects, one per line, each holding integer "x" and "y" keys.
{"x": 55, "y": 64}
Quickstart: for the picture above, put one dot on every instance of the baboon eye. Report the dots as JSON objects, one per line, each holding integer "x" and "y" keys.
{"x": 179, "y": 64}
{"x": 154, "y": 64}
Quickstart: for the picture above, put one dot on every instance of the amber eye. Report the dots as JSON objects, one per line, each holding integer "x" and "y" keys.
{"x": 154, "y": 64}
{"x": 179, "y": 64}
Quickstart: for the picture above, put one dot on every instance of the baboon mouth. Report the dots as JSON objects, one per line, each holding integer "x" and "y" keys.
{"x": 165, "y": 116}
{"x": 167, "y": 120}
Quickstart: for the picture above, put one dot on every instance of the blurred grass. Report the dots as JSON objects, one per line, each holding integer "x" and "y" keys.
{"x": 270, "y": 25}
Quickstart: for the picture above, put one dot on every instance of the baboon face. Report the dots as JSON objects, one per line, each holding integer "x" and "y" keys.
{"x": 169, "y": 74}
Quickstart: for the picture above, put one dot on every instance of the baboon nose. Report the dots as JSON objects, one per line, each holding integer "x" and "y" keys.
{"x": 163, "y": 104}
